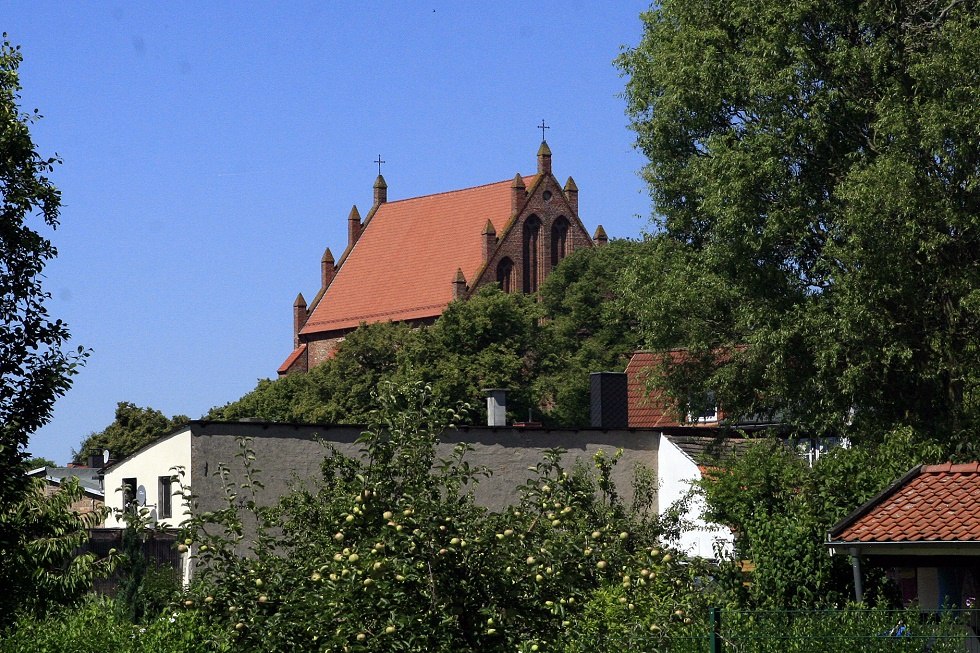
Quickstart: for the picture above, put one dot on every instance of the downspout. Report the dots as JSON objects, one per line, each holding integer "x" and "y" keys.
{"x": 856, "y": 566}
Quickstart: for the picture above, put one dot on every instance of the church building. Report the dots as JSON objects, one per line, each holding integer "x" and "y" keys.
{"x": 406, "y": 260}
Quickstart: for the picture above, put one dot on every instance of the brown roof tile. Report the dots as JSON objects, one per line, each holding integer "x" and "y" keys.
{"x": 403, "y": 264}
{"x": 940, "y": 503}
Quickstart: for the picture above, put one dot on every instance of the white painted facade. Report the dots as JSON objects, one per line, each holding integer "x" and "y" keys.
{"x": 676, "y": 473}
{"x": 149, "y": 466}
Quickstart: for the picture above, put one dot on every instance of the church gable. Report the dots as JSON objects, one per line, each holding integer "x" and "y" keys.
{"x": 408, "y": 259}
{"x": 544, "y": 229}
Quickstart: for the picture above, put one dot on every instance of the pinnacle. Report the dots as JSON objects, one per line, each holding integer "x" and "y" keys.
{"x": 544, "y": 150}
{"x": 518, "y": 181}
{"x": 327, "y": 256}
{"x": 300, "y": 301}
{"x": 488, "y": 230}
{"x": 570, "y": 185}
{"x": 380, "y": 182}
{"x": 354, "y": 214}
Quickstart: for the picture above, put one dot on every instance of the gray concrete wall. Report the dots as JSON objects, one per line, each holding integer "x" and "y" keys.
{"x": 290, "y": 454}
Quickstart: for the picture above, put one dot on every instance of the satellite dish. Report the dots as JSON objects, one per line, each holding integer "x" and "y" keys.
{"x": 105, "y": 457}
{"x": 141, "y": 495}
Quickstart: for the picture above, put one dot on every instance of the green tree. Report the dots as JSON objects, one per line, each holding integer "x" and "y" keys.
{"x": 44, "y": 565}
{"x": 588, "y": 328}
{"x": 491, "y": 340}
{"x": 814, "y": 167}
{"x": 35, "y": 462}
{"x": 132, "y": 429}
{"x": 35, "y": 369}
{"x": 782, "y": 507}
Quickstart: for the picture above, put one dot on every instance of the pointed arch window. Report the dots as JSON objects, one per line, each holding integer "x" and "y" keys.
{"x": 532, "y": 238}
{"x": 559, "y": 240}
{"x": 505, "y": 274}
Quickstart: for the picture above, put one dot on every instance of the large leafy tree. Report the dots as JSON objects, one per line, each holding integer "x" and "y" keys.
{"x": 34, "y": 368}
{"x": 815, "y": 169}
{"x": 132, "y": 428}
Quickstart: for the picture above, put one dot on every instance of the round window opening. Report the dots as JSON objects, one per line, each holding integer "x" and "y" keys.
{"x": 547, "y": 195}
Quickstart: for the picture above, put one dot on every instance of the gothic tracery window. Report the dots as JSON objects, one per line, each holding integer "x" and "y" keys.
{"x": 532, "y": 236}
{"x": 505, "y": 274}
{"x": 559, "y": 241}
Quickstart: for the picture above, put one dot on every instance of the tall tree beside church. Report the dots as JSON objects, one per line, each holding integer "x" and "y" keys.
{"x": 815, "y": 170}
{"x": 35, "y": 369}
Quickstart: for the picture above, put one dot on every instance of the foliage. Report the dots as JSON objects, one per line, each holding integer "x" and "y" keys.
{"x": 542, "y": 351}
{"x": 132, "y": 428}
{"x": 34, "y": 368}
{"x": 491, "y": 340}
{"x": 814, "y": 167}
{"x": 43, "y": 566}
{"x": 390, "y": 552}
{"x": 95, "y": 626}
{"x": 145, "y": 589}
{"x": 35, "y": 462}
{"x": 782, "y": 508}
{"x": 588, "y": 329}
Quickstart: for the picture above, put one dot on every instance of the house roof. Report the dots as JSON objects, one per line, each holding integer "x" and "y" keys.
{"x": 647, "y": 408}
{"x": 932, "y": 503}
{"x": 708, "y": 450}
{"x": 88, "y": 477}
{"x": 403, "y": 264}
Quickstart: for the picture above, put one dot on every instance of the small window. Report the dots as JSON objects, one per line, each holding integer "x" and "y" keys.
{"x": 703, "y": 411}
{"x": 165, "y": 500}
{"x": 129, "y": 492}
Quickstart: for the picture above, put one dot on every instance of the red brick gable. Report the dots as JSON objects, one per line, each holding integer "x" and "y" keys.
{"x": 402, "y": 265}
{"x": 936, "y": 503}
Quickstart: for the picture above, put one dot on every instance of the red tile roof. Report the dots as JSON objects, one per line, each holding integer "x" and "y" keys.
{"x": 291, "y": 360}
{"x": 940, "y": 503}
{"x": 403, "y": 264}
{"x": 647, "y": 409}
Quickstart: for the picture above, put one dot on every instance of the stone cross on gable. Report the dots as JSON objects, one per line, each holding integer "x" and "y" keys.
{"x": 379, "y": 162}
{"x": 543, "y": 127}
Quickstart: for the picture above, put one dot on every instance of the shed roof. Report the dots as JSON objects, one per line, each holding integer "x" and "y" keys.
{"x": 932, "y": 503}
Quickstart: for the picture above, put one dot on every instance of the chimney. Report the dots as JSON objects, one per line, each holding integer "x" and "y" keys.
{"x": 380, "y": 191}
{"x": 518, "y": 194}
{"x": 544, "y": 159}
{"x": 600, "y": 237}
{"x": 489, "y": 241}
{"x": 571, "y": 194}
{"x": 608, "y": 394}
{"x": 459, "y": 284}
{"x": 299, "y": 318}
{"x": 353, "y": 226}
{"x": 326, "y": 268}
{"x": 496, "y": 406}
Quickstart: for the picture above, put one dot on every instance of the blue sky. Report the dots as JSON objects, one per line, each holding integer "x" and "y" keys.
{"x": 212, "y": 150}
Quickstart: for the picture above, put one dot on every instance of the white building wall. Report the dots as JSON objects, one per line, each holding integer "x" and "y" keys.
{"x": 147, "y": 466}
{"x": 676, "y": 474}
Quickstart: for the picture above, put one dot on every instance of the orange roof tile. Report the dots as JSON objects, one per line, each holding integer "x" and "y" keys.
{"x": 291, "y": 359}
{"x": 941, "y": 503}
{"x": 647, "y": 409}
{"x": 403, "y": 264}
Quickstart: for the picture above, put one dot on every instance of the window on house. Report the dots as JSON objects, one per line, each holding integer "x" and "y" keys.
{"x": 165, "y": 497}
{"x": 505, "y": 274}
{"x": 559, "y": 241}
{"x": 532, "y": 234}
{"x": 703, "y": 410}
{"x": 129, "y": 492}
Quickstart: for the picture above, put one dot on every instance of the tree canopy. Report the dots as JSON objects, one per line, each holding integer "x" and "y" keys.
{"x": 35, "y": 368}
{"x": 133, "y": 427}
{"x": 815, "y": 170}
{"x": 540, "y": 348}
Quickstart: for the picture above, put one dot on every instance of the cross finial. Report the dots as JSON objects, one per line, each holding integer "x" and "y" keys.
{"x": 543, "y": 127}
{"x": 379, "y": 162}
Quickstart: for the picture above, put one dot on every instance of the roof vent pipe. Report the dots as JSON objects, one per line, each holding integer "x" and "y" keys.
{"x": 496, "y": 406}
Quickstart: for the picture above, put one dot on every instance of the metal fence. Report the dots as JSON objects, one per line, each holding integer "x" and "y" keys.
{"x": 850, "y": 630}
